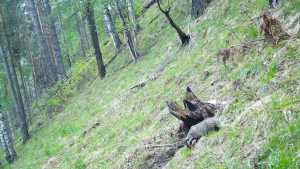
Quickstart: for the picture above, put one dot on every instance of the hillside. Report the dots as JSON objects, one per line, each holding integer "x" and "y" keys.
{"x": 90, "y": 123}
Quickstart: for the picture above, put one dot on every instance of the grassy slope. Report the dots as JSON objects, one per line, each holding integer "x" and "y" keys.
{"x": 128, "y": 118}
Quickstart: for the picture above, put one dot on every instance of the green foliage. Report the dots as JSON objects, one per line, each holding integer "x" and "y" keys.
{"x": 271, "y": 72}
{"x": 281, "y": 150}
{"x": 292, "y": 53}
{"x": 79, "y": 164}
{"x": 252, "y": 32}
{"x": 186, "y": 152}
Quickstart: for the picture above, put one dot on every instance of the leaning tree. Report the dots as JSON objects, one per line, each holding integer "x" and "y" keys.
{"x": 185, "y": 38}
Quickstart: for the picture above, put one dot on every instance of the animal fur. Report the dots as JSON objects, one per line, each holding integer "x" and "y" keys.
{"x": 201, "y": 129}
{"x": 273, "y": 3}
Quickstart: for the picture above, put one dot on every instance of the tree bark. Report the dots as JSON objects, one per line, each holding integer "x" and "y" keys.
{"x": 56, "y": 43}
{"x": 81, "y": 34}
{"x": 23, "y": 86}
{"x": 16, "y": 94}
{"x": 85, "y": 31}
{"x": 127, "y": 34}
{"x": 185, "y": 39}
{"x": 132, "y": 16}
{"x": 94, "y": 36}
{"x": 69, "y": 61}
{"x": 111, "y": 28}
{"x": 6, "y": 139}
{"x": 51, "y": 75}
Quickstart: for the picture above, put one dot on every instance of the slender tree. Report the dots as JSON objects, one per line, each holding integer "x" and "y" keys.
{"x": 127, "y": 34}
{"x": 16, "y": 94}
{"x": 94, "y": 37}
{"x": 55, "y": 41}
{"x": 6, "y": 139}
{"x": 80, "y": 33}
{"x": 111, "y": 28}
{"x": 69, "y": 60}
{"x": 23, "y": 85}
{"x": 185, "y": 39}
{"x": 132, "y": 16}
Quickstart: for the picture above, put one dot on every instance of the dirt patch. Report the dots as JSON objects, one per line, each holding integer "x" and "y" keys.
{"x": 157, "y": 156}
{"x": 51, "y": 163}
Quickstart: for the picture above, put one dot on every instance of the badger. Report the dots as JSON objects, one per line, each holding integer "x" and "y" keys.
{"x": 201, "y": 129}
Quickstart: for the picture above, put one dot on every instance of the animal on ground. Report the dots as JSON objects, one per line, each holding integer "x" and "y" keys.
{"x": 201, "y": 129}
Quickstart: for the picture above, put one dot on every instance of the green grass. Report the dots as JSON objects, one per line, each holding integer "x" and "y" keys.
{"x": 129, "y": 117}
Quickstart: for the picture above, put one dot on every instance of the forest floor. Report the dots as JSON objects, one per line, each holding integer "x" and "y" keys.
{"x": 91, "y": 123}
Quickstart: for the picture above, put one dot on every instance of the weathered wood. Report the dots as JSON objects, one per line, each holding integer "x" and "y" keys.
{"x": 194, "y": 110}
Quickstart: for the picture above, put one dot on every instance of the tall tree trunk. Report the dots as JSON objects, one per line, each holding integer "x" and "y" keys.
{"x": 51, "y": 69}
{"x": 69, "y": 61}
{"x": 127, "y": 34}
{"x": 185, "y": 39}
{"x": 81, "y": 34}
{"x": 37, "y": 89}
{"x": 85, "y": 31}
{"x": 16, "y": 94}
{"x": 94, "y": 36}
{"x": 132, "y": 16}
{"x": 13, "y": 51}
{"x": 23, "y": 86}
{"x": 56, "y": 43}
{"x": 111, "y": 28}
{"x": 6, "y": 139}
{"x": 198, "y": 7}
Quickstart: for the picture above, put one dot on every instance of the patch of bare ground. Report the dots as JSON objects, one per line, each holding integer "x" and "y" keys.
{"x": 51, "y": 163}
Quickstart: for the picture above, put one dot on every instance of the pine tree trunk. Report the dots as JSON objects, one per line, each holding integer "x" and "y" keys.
{"x": 69, "y": 61}
{"x": 85, "y": 31}
{"x": 132, "y": 15}
{"x": 111, "y": 28}
{"x": 94, "y": 36}
{"x": 56, "y": 43}
{"x": 81, "y": 34}
{"x": 127, "y": 34}
{"x": 16, "y": 94}
{"x": 23, "y": 86}
{"x": 51, "y": 76}
{"x": 6, "y": 139}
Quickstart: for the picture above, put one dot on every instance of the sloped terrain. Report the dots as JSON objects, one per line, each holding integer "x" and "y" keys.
{"x": 109, "y": 124}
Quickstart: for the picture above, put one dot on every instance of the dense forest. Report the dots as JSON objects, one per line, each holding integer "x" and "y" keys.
{"x": 88, "y": 84}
